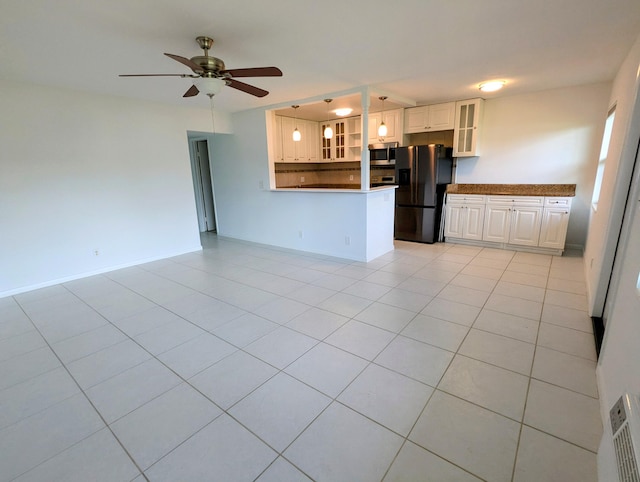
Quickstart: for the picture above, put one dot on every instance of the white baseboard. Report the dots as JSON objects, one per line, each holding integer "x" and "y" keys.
{"x": 86, "y": 274}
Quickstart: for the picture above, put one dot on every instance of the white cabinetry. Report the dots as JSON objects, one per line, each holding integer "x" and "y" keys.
{"x": 555, "y": 220}
{"x": 354, "y": 138}
{"x": 333, "y": 149}
{"x": 313, "y": 141}
{"x": 464, "y": 216}
{"x": 534, "y": 223}
{"x": 393, "y": 119}
{"x": 304, "y": 150}
{"x": 513, "y": 219}
{"x": 428, "y": 118}
{"x": 467, "y": 128}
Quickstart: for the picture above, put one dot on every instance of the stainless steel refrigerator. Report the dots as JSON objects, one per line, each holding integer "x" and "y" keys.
{"x": 422, "y": 174}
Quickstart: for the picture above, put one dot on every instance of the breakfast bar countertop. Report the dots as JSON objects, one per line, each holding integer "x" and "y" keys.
{"x": 563, "y": 190}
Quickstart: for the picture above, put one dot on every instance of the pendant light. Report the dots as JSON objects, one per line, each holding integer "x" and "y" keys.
{"x": 328, "y": 131}
{"x": 296, "y": 133}
{"x": 382, "y": 128}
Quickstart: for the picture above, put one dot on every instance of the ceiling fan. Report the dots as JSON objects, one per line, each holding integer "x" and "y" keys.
{"x": 211, "y": 75}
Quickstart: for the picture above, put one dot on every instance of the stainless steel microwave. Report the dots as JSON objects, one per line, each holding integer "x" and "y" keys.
{"x": 382, "y": 154}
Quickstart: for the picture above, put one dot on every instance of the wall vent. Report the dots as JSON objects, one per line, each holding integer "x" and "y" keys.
{"x": 625, "y": 426}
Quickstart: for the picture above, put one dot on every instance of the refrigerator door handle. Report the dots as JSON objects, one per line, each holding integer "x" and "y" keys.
{"x": 414, "y": 182}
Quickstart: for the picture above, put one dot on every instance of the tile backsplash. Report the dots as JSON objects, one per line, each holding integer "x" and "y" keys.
{"x": 290, "y": 174}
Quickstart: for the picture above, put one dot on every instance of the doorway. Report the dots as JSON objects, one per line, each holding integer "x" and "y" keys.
{"x": 202, "y": 184}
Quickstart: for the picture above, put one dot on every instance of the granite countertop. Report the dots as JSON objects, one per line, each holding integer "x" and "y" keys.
{"x": 564, "y": 190}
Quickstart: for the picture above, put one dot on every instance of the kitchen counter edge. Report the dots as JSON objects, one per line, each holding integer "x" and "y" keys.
{"x": 559, "y": 190}
{"x": 332, "y": 190}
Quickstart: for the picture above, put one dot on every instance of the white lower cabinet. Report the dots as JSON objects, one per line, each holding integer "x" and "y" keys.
{"x": 513, "y": 219}
{"x": 496, "y": 223}
{"x": 555, "y": 221}
{"x": 518, "y": 221}
{"x": 464, "y": 216}
{"x": 525, "y": 226}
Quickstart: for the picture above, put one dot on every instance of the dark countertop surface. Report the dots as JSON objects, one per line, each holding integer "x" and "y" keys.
{"x": 563, "y": 190}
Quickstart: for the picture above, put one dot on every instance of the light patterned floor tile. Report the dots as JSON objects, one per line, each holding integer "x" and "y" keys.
{"x": 488, "y": 449}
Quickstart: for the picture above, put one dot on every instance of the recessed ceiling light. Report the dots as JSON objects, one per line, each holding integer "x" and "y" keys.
{"x": 343, "y": 112}
{"x": 492, "y": 86}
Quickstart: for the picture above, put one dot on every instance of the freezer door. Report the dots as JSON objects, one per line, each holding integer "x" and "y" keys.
{"x": 404, "y": 176}
{"x": 416, "y": 224}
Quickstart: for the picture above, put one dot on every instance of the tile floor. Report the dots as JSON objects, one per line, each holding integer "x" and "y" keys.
{"x": 244, "y": 362}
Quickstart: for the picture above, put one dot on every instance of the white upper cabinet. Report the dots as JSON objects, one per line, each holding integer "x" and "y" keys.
{"x": 306, "y": 149}
{"x": 467, "y": 128}
{"x": 393, "y": 119}
{"x": 333, "y": 149}
{"x": 313, "y": 140}
{"x": 427, "y": 118}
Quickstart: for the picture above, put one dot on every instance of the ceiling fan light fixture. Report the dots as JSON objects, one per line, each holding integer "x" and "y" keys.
{"x": 491, "y": 86}
{"x": 209, "y": 85}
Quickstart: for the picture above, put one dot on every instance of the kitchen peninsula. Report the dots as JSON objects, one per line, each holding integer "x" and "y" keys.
{"x": 523, "y": 217}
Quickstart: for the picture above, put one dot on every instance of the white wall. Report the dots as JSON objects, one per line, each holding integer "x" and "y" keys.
{"x": 618, "y": 368}
{"x": 254, "y": 213}
{"x": 81, "y": 172}
{"x": 606, "y": 221}
{"x": 549, "y": 137}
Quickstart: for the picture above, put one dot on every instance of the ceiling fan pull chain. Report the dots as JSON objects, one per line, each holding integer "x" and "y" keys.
{"x": 213, "y": 117}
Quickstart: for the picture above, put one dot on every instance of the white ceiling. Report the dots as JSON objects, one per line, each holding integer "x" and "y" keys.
{"x": 423, "y": 50}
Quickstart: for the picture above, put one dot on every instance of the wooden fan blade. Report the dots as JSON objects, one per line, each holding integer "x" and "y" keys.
{"x": 192, "y": 65}
{"x": 158, "y": 75}
{"x": 249, "y": 89}
{"x": 193, "y": 90}
{"x": 255, "y": 72}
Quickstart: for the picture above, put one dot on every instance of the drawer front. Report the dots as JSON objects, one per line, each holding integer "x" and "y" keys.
{"x": 516, "y": 200}
{"x": 466, "y": 198}
{"x": 557, "y": 202}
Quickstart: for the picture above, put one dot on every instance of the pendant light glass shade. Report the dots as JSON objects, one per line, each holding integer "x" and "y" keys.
{"x": 297, "y": 136}
{"x": 328, "y": 131}
{"x": 382, "y": 128}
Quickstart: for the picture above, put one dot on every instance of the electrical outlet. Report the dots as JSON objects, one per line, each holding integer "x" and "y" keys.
{"x": 96, "y": 252}
{"x": 300, "y": 234}
{"x": 301, "y": 178}
{"x": 351, "y": 177}
{"x": 347, "y": 240}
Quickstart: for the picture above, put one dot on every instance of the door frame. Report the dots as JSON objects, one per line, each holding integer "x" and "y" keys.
{"x": 194, "y": 138}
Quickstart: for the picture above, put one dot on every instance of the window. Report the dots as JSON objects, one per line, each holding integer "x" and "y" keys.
{"x": 604, "y": 151}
